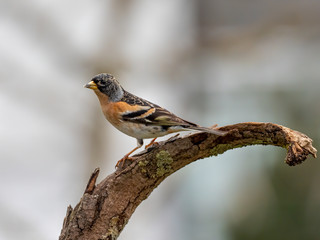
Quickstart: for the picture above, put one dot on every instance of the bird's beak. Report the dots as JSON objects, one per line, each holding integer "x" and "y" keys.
{"x": 91, "y": 85}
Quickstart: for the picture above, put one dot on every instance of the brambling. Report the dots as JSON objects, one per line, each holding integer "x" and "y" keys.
{"x": 135, "y": 116}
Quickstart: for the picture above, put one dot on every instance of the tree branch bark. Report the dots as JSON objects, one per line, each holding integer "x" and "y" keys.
{"x": 105, "y": 209}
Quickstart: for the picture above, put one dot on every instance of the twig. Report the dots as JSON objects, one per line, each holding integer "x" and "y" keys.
{"x": 105, "y": 209}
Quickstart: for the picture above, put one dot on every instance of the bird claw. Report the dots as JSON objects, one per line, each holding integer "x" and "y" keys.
{"x": 122, "y": 161}
{"x": 173, "y": 137}
{"x": 151, "y": 143}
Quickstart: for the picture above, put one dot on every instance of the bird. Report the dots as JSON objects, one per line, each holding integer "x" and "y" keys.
{"x": 136, "y": 116}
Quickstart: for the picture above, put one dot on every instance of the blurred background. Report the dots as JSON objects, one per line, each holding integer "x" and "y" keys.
{"x": 210, "y": 62}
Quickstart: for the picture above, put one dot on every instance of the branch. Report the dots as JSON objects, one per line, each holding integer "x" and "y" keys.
{"x": 105, "y": 209}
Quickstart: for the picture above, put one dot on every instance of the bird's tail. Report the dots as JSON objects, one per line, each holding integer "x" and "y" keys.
{"x": 209, "y": 130}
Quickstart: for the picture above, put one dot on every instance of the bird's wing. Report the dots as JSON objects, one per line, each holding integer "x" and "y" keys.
{"x": 145, "y": 112}
{"x": 154, "y": 116}
{"x": 149, "y": 113}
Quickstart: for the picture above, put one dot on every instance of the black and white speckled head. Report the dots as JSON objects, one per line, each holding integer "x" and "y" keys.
{"x": 106, "y": 84}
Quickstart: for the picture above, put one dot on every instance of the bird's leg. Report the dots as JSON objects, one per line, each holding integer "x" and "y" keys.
{"x": 126, "y": 157}
{"x": 173, "y": 137}
{"x": 122, "y": 160}
{"x": 151, "y": 143}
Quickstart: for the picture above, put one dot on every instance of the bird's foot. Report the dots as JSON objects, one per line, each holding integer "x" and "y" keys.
{"x": 122, "y": 161}
{"x": 173, "y": 137}
{"x": 151, "y": 143}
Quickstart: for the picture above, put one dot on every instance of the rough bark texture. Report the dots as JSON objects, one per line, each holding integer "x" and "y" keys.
{"x": 105, "y": 209}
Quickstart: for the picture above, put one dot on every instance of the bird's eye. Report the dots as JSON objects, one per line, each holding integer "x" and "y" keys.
{"x": 99, "y": 83}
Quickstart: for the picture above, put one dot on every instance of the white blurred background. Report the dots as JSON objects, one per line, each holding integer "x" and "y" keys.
{"x": 219, "y": 61}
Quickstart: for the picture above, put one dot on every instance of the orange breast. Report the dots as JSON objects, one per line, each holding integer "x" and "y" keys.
{"x": 114, "y": 110}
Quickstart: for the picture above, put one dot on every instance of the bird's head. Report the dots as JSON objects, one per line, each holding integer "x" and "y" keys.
{"x": 105, "y": 83}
